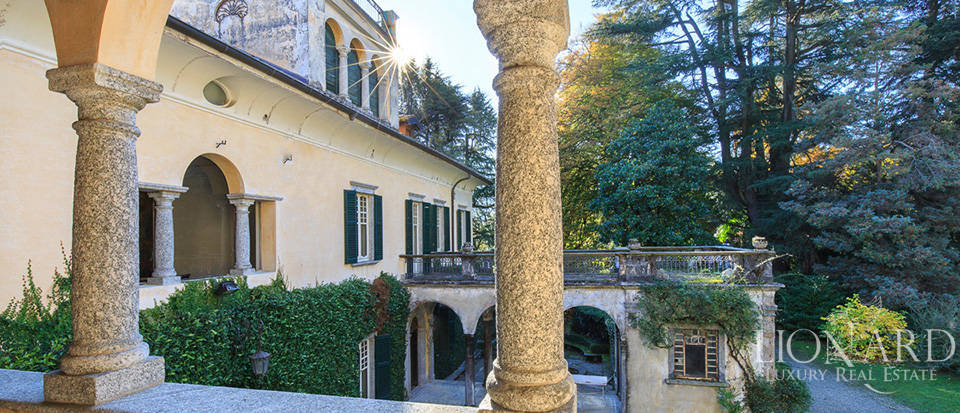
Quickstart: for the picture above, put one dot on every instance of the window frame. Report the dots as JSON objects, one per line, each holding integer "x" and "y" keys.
{"x": 714, "y": 340}
{"x": 364, "y": 240}
{"x": 367, "y": 362}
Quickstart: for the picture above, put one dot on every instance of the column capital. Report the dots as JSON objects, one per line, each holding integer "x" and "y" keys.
{"x": 524, "y": 32}
{"x": 240, "y": 201}
{"x": 89, "y": 83}
{"x": 343, "y": 50}
{"x": 164, "y": 198}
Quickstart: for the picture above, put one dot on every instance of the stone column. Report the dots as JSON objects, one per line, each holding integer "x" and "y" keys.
{"x": 107, "y": 358}
{"x": 365, "y": 86}
{"x": 487, "y": 345}
{"x": 242, "y": 236}
{"x": 344, "y": 79}
{"x": 163, "y": 272}
{"x": 468, "y": 371}
{"x": 530, "y": 373}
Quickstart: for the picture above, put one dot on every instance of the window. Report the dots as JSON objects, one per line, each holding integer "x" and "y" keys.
{"x": 375, "y": 88}
{"x": 332, "y": 57}
{"x": 415, "y": 227}
{"x": 441, "y": 231}
{"x": 696, "y": 355}
{"x": 363, "y": 226}
{"x": 354, "y": 81}
{"x": 366, "y": 372}
{"x": 464, "y": 235}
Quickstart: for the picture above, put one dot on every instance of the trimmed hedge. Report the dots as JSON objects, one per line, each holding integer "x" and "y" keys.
{"x": 312, "y": 335}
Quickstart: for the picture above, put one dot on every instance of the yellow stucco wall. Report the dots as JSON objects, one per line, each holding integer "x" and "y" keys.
{"x": 330, "y": 151}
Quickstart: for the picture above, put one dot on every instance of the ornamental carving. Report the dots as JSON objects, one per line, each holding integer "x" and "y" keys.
{"x": 227, "y": 8}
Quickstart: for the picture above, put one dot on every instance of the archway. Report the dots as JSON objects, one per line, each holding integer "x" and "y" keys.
{"x": 591, "y": 348}
{"x": 435, "y": 354}
{"x": 204, "y": 222}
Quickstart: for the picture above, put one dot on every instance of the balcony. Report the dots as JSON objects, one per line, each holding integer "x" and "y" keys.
{"x": 373, "y": 11}
{"x": 619, "y": 266}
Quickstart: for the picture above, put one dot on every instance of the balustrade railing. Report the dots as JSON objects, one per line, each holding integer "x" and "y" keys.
{"x": 621, "y": 265}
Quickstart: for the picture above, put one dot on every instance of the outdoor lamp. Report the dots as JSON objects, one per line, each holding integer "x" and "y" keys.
{"x": 260, "y": 361}
{"x": 226, "y": 287}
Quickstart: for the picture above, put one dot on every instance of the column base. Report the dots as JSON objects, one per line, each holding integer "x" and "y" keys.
{"x": 489, "y": 406}
{"x": 165, "y": 280}
{"x": 242, "y": 271}
{"x": 99, "y": 388}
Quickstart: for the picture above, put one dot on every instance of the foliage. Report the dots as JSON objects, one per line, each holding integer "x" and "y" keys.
{"x": 884, "y": 195}
{"x": 312, "y": 334}
{"x": 593, "y": 111}
{"x": 449, "y": 345}
{"x": 655, "y": 185}
{"x": 805, "y": 300}
{"x": 865, "y": 333}
{"x": 730, "y": 401}
{"x": 34, "y": 333}
{"x": 666, "y": 303}
{"x": 785, "y": 394}
{"x": 941, "y": 312}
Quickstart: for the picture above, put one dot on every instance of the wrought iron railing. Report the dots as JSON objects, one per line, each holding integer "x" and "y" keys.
{"x": 621, "y": 265}
{"x": 373, "y": 10}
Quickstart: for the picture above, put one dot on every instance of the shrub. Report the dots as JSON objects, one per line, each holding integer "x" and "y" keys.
{"x": 786, "y": 394}
{"x": 937, "y": 311}
{"x": 865, "y": 333}
{"x": 805, "y": 300}
{"x": 34, "y": 333}
{"x": 312, "y": 334}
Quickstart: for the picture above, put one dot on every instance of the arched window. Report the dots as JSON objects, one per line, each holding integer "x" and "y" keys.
{"x": 332, "y": 61}
{"x": 354, "y": 79}
{"x": 375, "y": 88}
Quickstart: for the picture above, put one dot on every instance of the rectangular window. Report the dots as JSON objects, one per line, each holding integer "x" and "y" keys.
{"x": 366, "y": 372}
{"x": 415, "y": 227}
{"x": 441, "y": 231}
{"x": 363, "y": 227}
{"x": 696, "y": 354}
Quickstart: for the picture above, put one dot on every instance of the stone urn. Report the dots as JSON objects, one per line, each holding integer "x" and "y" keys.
{"x": 759, "y": 243}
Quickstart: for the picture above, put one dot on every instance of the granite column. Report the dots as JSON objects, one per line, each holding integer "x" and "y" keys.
{"x": 242, "y": 236}
{"x": 530, "y": 373}
{"x": 107, "y": 357}
{"x": 344, "y": 76}
{"x": 163, "y": 251}
{"x": 365, "y": 86}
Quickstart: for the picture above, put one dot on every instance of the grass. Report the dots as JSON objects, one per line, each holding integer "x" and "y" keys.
{"x": 936, "y": 395}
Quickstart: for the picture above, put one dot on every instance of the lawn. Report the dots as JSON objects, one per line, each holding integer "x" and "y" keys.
{"x": 941, "y": 393}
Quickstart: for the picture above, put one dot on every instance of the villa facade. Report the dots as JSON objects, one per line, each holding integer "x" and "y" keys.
{"x": 274, "y": 148}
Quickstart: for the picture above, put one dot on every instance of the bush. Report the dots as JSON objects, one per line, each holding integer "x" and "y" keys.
{"x": 864, "y": 333}
{"x": 34, "y": 334}
{"x": 805, "y": 300}
{"x": 937, "y": 311}
{"x": 312, "y": 334}
{"x": 786, "y": 394}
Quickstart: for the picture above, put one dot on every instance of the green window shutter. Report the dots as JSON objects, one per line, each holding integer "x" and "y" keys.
{"x": 408, "y": 226}
{"x": 459, "y": 230}
{"x": 377, "y": 227}
{"x": 355, "y": 86}
{"x": 469, "y": 225}
{"x": 333, "y": 62}
{"x": 350, "y": 226}
{"x": 382, "y": 373}
{"x": 446, "y": 229}
{"x": 375, "y": 91}
{"x": 425, "y": 225}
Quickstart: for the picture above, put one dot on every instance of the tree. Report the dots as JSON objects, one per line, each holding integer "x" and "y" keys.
{"x": 600, "y": 97}
{"x": 755, "y": 67}
{"x": 655, "y": 187}
{"x": 885, "y": 198}
{"x": 479, "y": 151}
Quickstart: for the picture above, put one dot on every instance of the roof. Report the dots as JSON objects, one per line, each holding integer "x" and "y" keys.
{"x": 300, "y": 83}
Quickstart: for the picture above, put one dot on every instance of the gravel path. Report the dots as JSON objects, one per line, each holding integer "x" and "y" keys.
{"x": 832, "y": 396}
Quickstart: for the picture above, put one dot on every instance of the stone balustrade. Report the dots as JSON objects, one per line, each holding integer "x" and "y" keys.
{"x": 613, "y": 266}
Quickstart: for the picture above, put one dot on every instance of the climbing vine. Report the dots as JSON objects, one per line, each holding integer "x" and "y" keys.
{"x": 669, "y": 303}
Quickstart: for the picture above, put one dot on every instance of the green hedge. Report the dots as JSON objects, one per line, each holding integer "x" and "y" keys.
{"x": 312, "y": 335}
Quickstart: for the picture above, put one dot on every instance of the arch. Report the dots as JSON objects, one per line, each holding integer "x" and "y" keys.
{"x": 374, "y": 82}
{"x": 354, "y": 77}
{"x": 333, "y": 37}
{"x": 357, "y": 44}
{"x": 204, "y": 222}
{"x": 122, "y": 34}
{"x": 586, "y": 342}
{"x": 442, "y": 340}
{"x": 229, "y": 171}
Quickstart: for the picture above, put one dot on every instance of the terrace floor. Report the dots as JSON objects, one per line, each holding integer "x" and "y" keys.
{"x": 23, "y": 391}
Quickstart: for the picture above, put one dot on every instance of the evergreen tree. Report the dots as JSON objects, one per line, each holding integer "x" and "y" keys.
{"x": 883, "y": 191}
{"x": 656, "y": 188}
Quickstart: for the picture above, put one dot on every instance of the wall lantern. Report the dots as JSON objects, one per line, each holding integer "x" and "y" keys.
{"x": 226, "y": 287}
{"x": 260, "y": 362}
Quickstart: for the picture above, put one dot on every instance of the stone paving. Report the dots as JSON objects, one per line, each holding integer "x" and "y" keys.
{"x": 450, "y": 392}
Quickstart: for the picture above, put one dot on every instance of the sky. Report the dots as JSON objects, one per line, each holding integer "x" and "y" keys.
{"x": 446, "y": 30}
